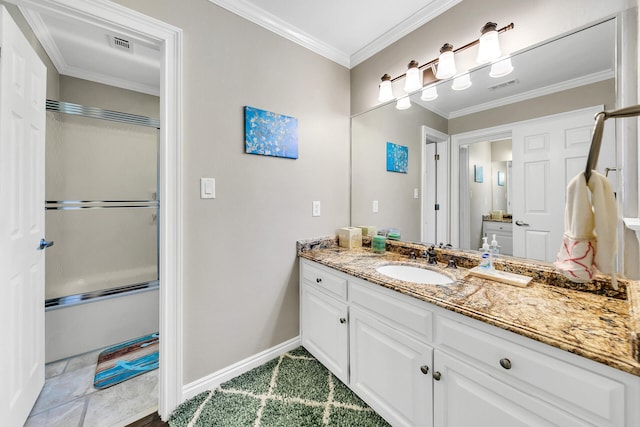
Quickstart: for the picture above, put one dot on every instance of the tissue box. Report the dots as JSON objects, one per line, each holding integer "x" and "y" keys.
{"x": 368, "y": 230}
{"x": 350, "y": 237}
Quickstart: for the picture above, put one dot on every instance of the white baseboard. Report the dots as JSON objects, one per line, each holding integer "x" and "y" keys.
{"x": 213, "y": 380}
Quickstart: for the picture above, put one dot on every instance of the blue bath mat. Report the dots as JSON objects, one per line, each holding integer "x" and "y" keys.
{"x": 126, "y": 360}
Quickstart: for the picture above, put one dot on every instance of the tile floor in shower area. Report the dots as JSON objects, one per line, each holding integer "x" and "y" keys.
{"x": 68, "y": 397}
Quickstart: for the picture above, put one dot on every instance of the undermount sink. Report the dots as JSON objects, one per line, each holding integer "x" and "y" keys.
{"x": 408, "y": 273}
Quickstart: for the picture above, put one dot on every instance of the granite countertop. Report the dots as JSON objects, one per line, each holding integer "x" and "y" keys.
{"x": 593, "y": 322}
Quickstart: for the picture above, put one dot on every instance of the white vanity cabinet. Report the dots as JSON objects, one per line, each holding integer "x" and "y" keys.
{"x": 417, "y": 364}
{"x": 390, "y": 361}
{"x": 324, "y": 318}
{"x": 503, "y": 232}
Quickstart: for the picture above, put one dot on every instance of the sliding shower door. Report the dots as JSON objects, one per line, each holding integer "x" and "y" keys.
{"x": 101, "y": 204}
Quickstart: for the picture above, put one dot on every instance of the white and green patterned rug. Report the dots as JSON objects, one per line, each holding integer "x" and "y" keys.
{"x": 293, "y": 390}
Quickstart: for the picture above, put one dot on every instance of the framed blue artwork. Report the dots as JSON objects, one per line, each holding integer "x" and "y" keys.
{"x": 397, "y": 158}
{"x": 270, "y": 134}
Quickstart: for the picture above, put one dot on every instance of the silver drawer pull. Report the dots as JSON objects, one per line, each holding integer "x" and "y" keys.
{"x": 319, "y": 280}
{"x": 437, "y": 375}
{"x": 505, "y": 363}
{"x": 343, "y": 320}
{"x": 424, "y": 369}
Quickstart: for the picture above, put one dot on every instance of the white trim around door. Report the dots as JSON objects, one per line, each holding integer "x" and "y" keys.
{"x": 109, "y": 15}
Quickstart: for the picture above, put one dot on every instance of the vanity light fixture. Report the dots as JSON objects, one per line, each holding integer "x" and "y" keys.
{"x": 429, "y": 93}
{"x": 461, "y": 82}
{"x": 403, "y": 103}
{"x": 444, "y": 66}
{"x": 489, "y": 48}
{"x": 446, "y": 62}
{"x": 501, "y": 67}
{"x": 413, "y": 79}
{"x": 386, "y": 91}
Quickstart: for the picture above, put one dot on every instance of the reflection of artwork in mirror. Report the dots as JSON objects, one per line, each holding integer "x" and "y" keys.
{"x": 477, "y": 173}
{"x": 501, "y": 178}
{"x": 397, "y": 158}
{"x": 270, "y": 134}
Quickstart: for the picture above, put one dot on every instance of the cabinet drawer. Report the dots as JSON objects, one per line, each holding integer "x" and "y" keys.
{"x": 415, "y": 320}
{"x": 324, "y": 279}
{"x": 592, "y": 396}
{"x": 497, "y": 227}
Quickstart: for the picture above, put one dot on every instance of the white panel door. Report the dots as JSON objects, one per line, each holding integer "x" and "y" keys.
{"x": 547, "y": 154}
{"x": 435, "y": 228}
{"x": 22, "y": 132}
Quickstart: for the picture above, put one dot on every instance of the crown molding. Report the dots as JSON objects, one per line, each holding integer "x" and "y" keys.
{"x": 415, "y": 21}
{"x": 110, "y": 80}
{"x": 44, "y": 36}
{"x": 276, "y": 25}
{"x": 547, "y": 90}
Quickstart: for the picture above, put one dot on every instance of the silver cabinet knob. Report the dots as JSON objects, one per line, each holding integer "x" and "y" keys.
{"x": 343, "y": 320}
{"x": 505, "y": 363}
{"x": 319, "y": 280}
{"x": 424, "y": 369}
{"x": 437, "y": 375}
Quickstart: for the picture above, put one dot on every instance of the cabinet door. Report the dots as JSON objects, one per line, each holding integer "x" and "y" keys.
{"x": 324, "y": 330}
{"x": 467, "y": 396}
{"x": 390, "y": 371}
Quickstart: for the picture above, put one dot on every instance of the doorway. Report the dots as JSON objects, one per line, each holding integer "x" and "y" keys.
{"x": 114, "y": 17}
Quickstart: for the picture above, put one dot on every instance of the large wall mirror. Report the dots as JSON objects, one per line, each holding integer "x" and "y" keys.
{"x": 461, "y": 178}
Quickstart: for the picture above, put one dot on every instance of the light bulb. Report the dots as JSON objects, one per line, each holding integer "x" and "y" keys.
{"x": 446, "y": 63}
{"x": 386, "y": 91}
{"x": 412, "y": 81}
{"x": 429, "y": 93}
{"x": 489, "y": 48}
{"x": 403, "y": 103}
{"x": 461, "y": 82}
{"x": 501, "y": 68}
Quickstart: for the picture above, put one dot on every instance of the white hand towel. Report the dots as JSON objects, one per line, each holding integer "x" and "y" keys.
{"x": 590, "y": 230}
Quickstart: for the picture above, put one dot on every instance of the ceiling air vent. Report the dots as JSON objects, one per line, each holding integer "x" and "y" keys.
{"x": 504, "y": 84}
{"x": 120, "y": 43}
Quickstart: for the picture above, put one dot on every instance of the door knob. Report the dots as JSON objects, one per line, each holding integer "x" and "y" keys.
{"x": 44, "y": 244}
{"x": 424, "y": 369}
{"x": 521, "y": 223}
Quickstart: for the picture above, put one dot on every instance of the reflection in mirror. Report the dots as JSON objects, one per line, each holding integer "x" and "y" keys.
{"x": 572, "y": 72}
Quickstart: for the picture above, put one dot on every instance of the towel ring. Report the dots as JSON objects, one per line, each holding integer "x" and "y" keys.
{"x": 598, "y": 129}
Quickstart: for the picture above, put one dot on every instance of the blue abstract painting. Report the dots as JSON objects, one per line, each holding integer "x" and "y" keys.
{"x": 397, "y": 158}
{"x": 270, "y": 134}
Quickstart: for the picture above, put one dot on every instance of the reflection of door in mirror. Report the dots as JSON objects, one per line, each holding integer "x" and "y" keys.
{"x": 485, "y": 193}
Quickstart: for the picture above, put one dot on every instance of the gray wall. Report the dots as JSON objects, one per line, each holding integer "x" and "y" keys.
{"x": 240, "y": 266}
{"x": 535, "y": 21}
{"x": 370, "y": 179}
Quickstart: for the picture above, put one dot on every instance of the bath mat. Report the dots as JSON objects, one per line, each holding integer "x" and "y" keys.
{"x": 126, "y": 360}
{"x": 293, "y": 390}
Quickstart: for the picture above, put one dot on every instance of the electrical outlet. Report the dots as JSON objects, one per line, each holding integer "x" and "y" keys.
{"x": 315, "y": 209}
{"x": 375, "y": 206}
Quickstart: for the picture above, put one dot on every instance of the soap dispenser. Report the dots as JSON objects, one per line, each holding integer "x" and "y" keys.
{"x": 486, "y": 254}
{"x": 495, "y": 249}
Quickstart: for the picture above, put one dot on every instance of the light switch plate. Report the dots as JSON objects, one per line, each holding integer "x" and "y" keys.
{"x": 315, "y": 209}
{"x": 416, "y": 193}
{"x": 375, "y": 206}
{"x": 207, "y": 188}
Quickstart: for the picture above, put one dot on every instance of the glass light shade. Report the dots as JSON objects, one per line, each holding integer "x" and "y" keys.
{"x": 489, "y": 48}
{"x": 429, "y": 93}
{"x": 501, "y": 67}
{"x": 403, "y": 103}
{"x": 386, "y": 91}
{"x": 412, "y": 81}
{"x": 461, "y": 82}
{"x": 446, "y": 65}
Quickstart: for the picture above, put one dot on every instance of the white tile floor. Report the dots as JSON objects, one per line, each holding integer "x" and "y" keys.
{"x": 68, "y": 398}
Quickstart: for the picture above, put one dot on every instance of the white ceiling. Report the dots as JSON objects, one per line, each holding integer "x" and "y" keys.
{"x": 347, "y": 32}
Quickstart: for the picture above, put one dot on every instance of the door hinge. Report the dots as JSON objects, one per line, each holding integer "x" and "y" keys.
{"x": 436, "y": 157}
{"x": 437, "y": 207}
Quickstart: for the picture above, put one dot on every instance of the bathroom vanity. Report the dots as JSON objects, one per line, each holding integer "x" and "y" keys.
{"x": 473, "y": 352}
